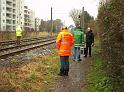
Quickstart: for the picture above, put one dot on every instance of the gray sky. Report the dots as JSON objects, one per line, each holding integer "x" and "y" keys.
{"x": 61, "y": 8}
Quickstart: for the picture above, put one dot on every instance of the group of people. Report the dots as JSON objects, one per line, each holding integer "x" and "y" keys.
{"x": 68, "y": 43}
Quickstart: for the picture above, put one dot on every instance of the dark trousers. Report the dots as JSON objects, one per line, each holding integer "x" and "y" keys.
{"x": 64, "y": 64}
{"x": 88, "y": 50}
{"x": 18, "y": 40}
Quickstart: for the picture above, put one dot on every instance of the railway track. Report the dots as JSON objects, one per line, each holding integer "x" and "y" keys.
{"x": 10, "y": 43}
{"x": 10, "y": 47}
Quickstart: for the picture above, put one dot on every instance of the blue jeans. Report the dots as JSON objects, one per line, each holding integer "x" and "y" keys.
{"x": 64, "y": 64}
{"x": 76, "y": 53}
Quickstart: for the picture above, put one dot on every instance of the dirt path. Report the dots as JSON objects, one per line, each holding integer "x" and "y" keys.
{"x": 75, "y": 82}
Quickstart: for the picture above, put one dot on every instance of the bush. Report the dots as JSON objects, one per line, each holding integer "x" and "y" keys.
{"x": 111, "y": 26}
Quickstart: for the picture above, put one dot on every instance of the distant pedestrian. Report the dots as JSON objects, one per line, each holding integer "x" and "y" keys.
{"x": 18, "y": 34}
{"x": 89, "y": 42}
{"x": 64, "y": 43}
{"x": 79, "y": 42}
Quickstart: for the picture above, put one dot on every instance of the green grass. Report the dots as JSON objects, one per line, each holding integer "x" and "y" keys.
{"x": 25, "y": 85}
{"x": 97, "y": 78}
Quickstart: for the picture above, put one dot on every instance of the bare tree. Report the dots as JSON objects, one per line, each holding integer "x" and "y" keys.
{"x": 74, "y": 14}
{"x": 45, "y": 25}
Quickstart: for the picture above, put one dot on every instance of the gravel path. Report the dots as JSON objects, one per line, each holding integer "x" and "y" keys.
{"x": 75, "y": 82}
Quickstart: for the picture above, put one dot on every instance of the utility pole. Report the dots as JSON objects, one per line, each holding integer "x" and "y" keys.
{"x": 51, "y": 20}
{"x": 83, "y": 18}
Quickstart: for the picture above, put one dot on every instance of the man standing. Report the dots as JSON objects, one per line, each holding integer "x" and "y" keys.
{"x": 18, "y": 34}
{"x": 64, "y": 43}
{"x": 89, "y": 42}
{"x": 79, "y": 41}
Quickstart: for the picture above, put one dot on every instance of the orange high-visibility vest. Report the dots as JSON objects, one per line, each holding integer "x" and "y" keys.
{"x": 64, "y": 43}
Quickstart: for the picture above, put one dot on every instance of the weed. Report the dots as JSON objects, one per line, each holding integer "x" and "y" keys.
{"x": 33, "y": 76}
{"x": 25, "y": 85}
{"x": 97, "y": 79}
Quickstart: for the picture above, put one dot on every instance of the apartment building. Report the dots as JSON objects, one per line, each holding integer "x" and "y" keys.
{"x": 11, "y": 14}
{"x": 29, "y": 19}
{"x": 26, "y": 18}
{"x": 20, "y": 13}
{"x": 7, "y": 15}
{"x": 37, "y": 23}
{"x": 32, "y": 18}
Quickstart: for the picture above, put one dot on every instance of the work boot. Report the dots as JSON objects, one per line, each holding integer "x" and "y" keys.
{"x": 74, "y": 60}
{"x": 66, "y": 73}
{"x": 85, "y": 56}
{"x": 79, "y": 60}
{"x": 61, "y": 74}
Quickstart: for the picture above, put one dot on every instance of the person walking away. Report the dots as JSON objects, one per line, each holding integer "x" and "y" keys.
{"x": 89, "y": 42}
{"x": 79, "y": 41}
{"x": 18, "y": 34}
{"x": 64, "y": 43}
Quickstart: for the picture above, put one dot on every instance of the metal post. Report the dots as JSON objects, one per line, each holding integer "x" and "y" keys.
{"x": 83, "y": 17}
{"x": 51, "y": 20}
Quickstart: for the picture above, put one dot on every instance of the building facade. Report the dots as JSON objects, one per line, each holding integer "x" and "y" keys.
{"x": 7, "y": 15}
{"x": 29, "y": 19}
{"x": 32, "y": 19}
{"x": 13, "y": 13}
{"x": 37, "y": 23}
{"x": 20, "y": 13}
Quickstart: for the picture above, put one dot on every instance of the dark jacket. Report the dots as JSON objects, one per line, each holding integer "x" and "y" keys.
{"x": 89, "y": 38}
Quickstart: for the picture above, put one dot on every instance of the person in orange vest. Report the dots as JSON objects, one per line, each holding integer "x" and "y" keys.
{"x": 64, "y": 42}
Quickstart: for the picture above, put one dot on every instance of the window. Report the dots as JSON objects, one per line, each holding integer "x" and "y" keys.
{"x": 3, "y": 27}
{"x": 3, "y": 21}
{"x": 3, "y": 8}
{"x": 3, "y": 14}
{"x": 14, "y": 5}
{"x": 14, "y": 22}
{"x": 14, "y": 11}
{"x": 14, "y": 16}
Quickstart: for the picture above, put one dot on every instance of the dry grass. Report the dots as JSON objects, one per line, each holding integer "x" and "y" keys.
{"x": 36, "y": 76}
{"x": 12, "y": 36}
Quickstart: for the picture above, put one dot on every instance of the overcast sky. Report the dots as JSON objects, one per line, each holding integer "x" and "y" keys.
{"x": 61, "y": 8}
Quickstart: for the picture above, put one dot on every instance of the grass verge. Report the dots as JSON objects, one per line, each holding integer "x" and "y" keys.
{"x": 36, "y": 76}
{"x": 97, "y": 78}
